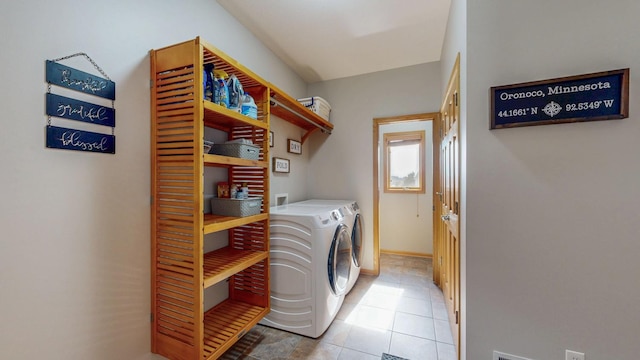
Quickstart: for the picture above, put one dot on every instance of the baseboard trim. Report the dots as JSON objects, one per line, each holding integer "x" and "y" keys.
{"x": 368, "y": 272}
{"x": 406, "y": 253}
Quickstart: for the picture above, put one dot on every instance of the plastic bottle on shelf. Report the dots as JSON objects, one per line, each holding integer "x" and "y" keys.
{"x": 223, "y": 89}
{"x": 207, "y": 82}
{"x": 235, "y": 93}
{"x": 249, "y": 107}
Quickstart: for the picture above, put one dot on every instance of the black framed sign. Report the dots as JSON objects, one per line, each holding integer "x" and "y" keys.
{"x": 591, "y": 97}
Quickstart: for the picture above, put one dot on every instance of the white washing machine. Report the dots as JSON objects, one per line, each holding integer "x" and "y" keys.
{"x": 353, "y": 219}
{"x": 310, "y": 256}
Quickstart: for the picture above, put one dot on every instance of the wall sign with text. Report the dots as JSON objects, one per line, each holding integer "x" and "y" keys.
{"x": 84, "y": 86}
{"x": 590, "y": 97}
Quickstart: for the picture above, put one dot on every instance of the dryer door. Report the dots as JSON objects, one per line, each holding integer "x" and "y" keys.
{"x": 339, "y": 264}
{"x": 356, "y": 240}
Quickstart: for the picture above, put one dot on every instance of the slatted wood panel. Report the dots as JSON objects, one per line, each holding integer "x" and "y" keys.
{"x": 175, "y": 208}
{"x": 252, "y": 285}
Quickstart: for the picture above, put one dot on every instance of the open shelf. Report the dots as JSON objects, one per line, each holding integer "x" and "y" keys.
{"x": 229, "y": 320}
{"x": 224, "y": 161}
{"x": 222, "y": 263}
{"x": 213, "y": 223}
{"x": 221, "y": 118}
{"x": 289, "y": 109}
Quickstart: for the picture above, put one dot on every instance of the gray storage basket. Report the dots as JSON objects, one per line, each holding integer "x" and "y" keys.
{"x": 243, "y": 151}
{"x": 236, "y": 207}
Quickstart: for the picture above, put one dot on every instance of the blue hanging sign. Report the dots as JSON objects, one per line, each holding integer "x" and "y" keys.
{"x": 68, "y": 108}
{"x": 590, "y": 97}
{"x": 68, "y": 77}
{"x": 72, "y": 139}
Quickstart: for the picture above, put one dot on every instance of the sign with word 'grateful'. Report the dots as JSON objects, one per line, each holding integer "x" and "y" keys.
{"x": 68, "y": 108}
{"x": 72, "y": 139}
{"x": 590, "y": 97}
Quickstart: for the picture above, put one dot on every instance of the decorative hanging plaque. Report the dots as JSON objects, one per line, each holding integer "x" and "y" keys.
{"x": 590, "y": 97}
{"x": 61, "y": 75}
{"x": 75, "y": 109}
{"x": 72, "y": 139}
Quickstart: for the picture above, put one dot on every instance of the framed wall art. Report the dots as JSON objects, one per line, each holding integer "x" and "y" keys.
{"x": 294, "y": 147}
{"x": 280, "y": 165}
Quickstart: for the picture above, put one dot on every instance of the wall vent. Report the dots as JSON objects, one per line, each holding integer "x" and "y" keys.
{"x": 502, "y": 356}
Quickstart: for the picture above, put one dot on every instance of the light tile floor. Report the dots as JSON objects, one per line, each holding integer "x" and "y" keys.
{"x": 400, "y": 312}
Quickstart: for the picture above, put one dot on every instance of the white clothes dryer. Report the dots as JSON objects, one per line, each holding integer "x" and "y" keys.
{"x": 353, "y": 219}
{"x": 310, "y": 257}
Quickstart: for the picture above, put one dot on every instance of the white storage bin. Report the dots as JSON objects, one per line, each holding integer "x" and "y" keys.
{"x": 318, "y": 105}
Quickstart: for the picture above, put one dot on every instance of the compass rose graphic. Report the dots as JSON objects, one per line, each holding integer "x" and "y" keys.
{"x": 552, "y": 109}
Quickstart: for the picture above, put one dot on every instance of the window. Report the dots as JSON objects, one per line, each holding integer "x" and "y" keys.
{"x": 404, "y": 162}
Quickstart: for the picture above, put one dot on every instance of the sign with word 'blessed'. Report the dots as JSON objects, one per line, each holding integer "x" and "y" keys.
{"x": 590, "y": 97}
{"x": 80, "y": 140}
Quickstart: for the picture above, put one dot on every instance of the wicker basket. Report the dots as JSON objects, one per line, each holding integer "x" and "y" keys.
{"x": 318, "y": 105}
{"x": 236, "y": 207}
{"x": 243, "y": 151}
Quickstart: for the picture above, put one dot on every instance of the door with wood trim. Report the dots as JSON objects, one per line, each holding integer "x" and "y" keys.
{"x": 447, "y": 197}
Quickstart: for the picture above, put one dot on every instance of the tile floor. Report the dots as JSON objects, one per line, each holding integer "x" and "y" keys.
{"x": 400, "y": 312}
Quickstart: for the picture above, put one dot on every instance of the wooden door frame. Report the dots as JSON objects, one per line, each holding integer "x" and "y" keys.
{"x": 377, "y": 122}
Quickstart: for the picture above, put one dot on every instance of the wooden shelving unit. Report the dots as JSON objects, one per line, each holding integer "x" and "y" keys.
{"x": 181, "y": 327}
{"x": 289, "y": 109}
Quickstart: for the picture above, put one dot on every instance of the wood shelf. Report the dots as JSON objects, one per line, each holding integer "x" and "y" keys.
{"x": 290, "y": 110}
{"x": 222, "y": 263}
{"x": 227, "y": 322}
{"x": 225, "y": 161}
{"x": 221, "y": 118}
{"x": 213, "y": 223}
{"x": 181, "y": 328}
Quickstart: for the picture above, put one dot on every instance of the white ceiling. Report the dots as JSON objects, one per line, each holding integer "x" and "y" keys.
{"x": 329, "y": 39}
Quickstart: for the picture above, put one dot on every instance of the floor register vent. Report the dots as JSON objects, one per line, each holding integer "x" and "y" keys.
{"x": 502, "y": 356}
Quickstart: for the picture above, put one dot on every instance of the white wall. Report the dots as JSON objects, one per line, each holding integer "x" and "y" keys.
{"x": 552, "y": 212}
{"x": 341, "y": 164}
{"x": 294, "y": 183}
{"x": 74, "y": 250}
{"x": 406, "y": 220}
{"x": 455, "y": 43}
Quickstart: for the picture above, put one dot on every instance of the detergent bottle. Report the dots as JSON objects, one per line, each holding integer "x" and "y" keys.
{"x": 235, "y": 93}
{"x": 249, "y": 107}
{"x": 207, "y": 82}
{"x": 223, "y": 89}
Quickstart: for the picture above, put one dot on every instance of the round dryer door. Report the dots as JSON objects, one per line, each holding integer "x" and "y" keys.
{"x": 339, "y": 264}
{"x": 356, "y": 240}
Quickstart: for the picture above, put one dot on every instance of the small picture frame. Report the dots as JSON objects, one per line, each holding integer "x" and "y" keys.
{"x": 280, "y": 165}
{"x": 270, "y": 138}
{"x": 294, "y": 147}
